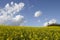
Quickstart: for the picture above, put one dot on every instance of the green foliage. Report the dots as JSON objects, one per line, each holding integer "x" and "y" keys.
{"x": 29, "y": 33}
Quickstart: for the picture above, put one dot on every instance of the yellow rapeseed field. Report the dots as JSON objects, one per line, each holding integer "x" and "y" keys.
{"x": 29, "y": 33}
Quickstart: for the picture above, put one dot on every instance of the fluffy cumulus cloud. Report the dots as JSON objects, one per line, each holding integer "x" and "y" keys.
{"x": 37, "y": 13}
{"x": 17, "y": 20}
{"x": 24, "y": 23}
{"x": 8, "y": 14}
{"x": 46, "y": 23}
{"x": 52, "y": 21}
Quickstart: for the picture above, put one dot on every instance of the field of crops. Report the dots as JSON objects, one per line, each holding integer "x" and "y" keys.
{"x": 29, "y": 33}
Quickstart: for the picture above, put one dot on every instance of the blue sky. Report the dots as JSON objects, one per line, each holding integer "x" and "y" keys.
{"x": 50, "y": 10}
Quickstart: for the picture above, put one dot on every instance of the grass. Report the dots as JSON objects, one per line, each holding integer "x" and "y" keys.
{"x": 29, "y": 33}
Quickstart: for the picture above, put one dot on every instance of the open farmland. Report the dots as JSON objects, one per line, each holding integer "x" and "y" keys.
{"x": 29, "y": 33}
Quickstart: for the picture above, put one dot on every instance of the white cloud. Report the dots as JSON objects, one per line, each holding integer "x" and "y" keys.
{"x": 52, "y": 21}
{"x": 8, "y": 13}
{"x": 37, "y": 13}
{"x": 14, "y": 8}
{"x": 46, "y": 23}
{"x": 11, "y": 3}
{"x": 18, "y": 18}
{"x": 7, "y": 5}
{"x": 24, "y": 23}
